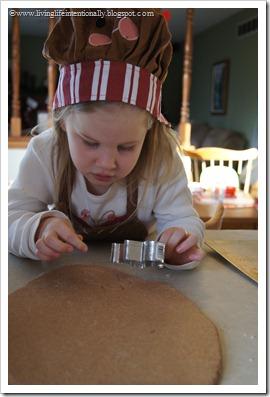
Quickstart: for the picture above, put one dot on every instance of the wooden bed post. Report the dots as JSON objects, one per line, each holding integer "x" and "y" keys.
{"x": 15, "y": 120}
{"x": 51, "y": 73}
{"x": 185, "y": 126}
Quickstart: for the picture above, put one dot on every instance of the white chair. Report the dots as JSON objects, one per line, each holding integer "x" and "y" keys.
{"x": 210, "y": 156}
{"x": 219, "y": 176}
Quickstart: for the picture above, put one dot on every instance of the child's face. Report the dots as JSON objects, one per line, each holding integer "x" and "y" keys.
{"x": 105, "y": 144}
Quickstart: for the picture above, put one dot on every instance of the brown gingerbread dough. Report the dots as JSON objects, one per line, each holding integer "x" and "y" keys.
{"x": 96, "y": 325}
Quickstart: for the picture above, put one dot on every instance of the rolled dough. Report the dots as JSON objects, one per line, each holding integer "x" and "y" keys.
{"x": 89, "y": 325}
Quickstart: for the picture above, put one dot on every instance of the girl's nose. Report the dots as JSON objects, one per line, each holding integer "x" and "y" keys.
{"x": 106, "y": 159}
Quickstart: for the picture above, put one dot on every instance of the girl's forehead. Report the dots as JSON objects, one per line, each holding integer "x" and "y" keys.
{"x": 112, "y": 113}
{"x": 118, "y": 109}
{"x": 108, "y": 125}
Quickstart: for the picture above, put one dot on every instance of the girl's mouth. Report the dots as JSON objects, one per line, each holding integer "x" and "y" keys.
{"x": 103, "y": 177}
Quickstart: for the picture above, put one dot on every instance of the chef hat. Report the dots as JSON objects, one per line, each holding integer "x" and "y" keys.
{"x": 111, "y": 55}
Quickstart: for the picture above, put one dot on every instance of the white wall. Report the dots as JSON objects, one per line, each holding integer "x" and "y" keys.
{"x": 14, "y": 158}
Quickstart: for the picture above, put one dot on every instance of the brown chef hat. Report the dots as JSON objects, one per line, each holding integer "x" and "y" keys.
{"x": 116, "y": 55}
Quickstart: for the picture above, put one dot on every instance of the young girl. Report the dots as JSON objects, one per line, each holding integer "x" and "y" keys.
{"x": 108, "y": 169}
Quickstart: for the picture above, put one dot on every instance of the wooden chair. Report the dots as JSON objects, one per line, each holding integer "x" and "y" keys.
{"x": 215, "y": 222}
{"x": 203, "y": 157}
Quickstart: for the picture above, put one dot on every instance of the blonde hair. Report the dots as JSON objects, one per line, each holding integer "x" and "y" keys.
{"x": 159, "y": 141}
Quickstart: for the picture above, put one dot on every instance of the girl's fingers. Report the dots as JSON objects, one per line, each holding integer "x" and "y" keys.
{"x": 171, "y": 235}
{"x": 178, "y": 240}
{"x": 56, "y": 236}
{"x": 188, "y": 243}
{"x": 76, "y": 242}
{"x": 181, "y": 247}
{"x": 171, "y": 238}
{"x": 52, "y": 243}
{"x": 44, "y": 252}
{"x": 51, "y": 246}
{"x": 67, "y": 234}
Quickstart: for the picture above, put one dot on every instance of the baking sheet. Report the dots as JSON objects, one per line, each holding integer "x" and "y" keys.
{"x": 242, "y": 254}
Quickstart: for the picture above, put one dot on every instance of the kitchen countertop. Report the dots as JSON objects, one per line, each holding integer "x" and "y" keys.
{"x": 222, "y": 292}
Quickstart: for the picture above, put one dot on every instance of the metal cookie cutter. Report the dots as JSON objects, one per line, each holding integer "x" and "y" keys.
{"x": 139, "y": 254}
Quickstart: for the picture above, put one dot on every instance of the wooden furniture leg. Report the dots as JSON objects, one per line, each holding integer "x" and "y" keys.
{"x": 16, "y": 122}
{"x": 185, "y": 126}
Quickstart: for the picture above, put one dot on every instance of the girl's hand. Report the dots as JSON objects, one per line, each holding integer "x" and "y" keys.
{"x": 55, "y": 236}
{"x": 181, "y": 247}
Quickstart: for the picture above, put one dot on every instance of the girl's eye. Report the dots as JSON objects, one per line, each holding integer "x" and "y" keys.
{"x": 126, "y": 148}
{"x": 92, "y": 145}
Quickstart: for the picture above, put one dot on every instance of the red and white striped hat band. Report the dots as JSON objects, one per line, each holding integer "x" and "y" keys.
{"x": 105, "y": 80}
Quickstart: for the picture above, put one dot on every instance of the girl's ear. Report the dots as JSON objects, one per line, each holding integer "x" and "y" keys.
{"x": 63, "y": 125}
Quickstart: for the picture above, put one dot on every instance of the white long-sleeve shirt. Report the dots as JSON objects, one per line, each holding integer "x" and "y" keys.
{"x": 33, "y": 193}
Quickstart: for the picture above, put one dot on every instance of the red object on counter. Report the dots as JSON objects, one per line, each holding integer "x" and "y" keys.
{"x": 230, "y": 191}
